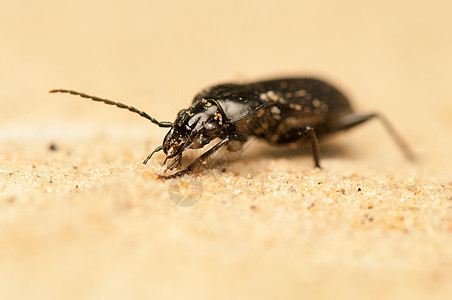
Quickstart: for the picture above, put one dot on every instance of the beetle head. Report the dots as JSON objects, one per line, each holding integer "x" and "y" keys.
{"x": 194, "y": 128}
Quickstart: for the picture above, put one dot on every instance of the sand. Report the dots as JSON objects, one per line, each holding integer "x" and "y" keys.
{"x": 82, "y": 218}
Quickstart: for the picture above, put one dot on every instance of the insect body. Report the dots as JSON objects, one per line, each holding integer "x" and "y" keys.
{"x": 282, "y": 111}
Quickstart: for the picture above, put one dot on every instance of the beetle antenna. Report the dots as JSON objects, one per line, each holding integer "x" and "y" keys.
{"x": 159, "y": 148}
{"x": 118, "y": 104}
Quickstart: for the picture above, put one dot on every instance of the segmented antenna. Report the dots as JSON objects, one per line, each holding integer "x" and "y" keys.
{"x": 118, "y": 104}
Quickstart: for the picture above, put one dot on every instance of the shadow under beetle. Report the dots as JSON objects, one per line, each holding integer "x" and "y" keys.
{"x": 280, "y": 111}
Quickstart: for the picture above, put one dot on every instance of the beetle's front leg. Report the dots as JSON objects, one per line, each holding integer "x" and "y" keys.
{"x": 197, "y": 162}
{"x": 176, "y": 163}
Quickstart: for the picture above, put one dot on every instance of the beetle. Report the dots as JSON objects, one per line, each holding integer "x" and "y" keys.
{"x": 281, "y": 111}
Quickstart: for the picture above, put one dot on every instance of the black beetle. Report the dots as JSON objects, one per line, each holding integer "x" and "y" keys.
{"x": 280, "y": 111}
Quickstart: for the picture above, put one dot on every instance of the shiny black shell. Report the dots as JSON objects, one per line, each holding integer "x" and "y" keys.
{"x": 296, "y": 103}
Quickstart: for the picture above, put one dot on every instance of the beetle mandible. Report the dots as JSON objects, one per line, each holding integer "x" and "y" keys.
{"x": 280, "y": 111}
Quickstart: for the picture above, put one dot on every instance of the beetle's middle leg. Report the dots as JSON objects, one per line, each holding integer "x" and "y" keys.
{"x": 297, "y": 135}
{"x": 354, "y": 119}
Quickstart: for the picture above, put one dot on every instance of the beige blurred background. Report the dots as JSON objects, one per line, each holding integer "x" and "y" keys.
{"x": 88, "y": 221}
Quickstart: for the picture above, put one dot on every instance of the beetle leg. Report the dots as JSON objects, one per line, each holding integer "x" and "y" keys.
{"x": 298, "y": 135}
{"x": 315, "y": 149}
{"x": 176, "y": 163}
{"x": 355, "y": 119}
{"x": 197, "y": 162}
{"x": 164, "y": 162}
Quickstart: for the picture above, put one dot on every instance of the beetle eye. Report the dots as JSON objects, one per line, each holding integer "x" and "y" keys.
{"x": 168, "y": 135}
